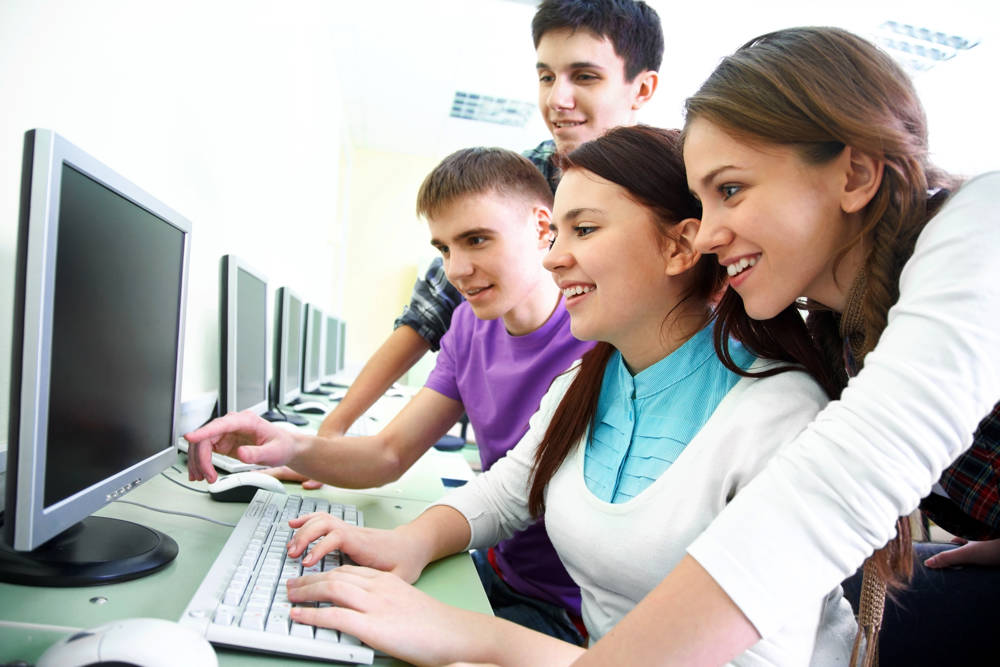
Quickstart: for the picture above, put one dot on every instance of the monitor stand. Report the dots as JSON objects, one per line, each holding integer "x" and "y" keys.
{"x": 279, "y": 416}
{"x": 98, "y": 550}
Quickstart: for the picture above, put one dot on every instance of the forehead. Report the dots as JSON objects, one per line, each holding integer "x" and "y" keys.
{"x": 565, "y": 49}
{"x": 582, "y": 189}
{"x": 710, "y": 148}
{"x": 483, "y": 211}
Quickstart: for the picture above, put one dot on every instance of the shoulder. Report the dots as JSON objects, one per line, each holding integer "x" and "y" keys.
{"x": 791, "y": 392}
{"x": 971, "y": 213}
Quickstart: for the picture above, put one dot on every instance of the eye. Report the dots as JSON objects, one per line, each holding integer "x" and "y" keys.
{"x": 729, "y": 190}
{"x": 587, "y": 77}
{"x": 546, "y": 78}
{"x": 443, "y": 249}
{"x": 584, "y": 230}
{"x": 477, "y": 240}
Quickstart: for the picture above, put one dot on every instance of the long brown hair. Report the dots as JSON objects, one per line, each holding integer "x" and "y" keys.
{"x": 820, "y": 90}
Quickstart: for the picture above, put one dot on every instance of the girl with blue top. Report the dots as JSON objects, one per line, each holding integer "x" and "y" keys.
{"x": 632, "y": 453}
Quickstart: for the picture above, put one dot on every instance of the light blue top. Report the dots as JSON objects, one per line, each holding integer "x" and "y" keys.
{"x": 643, "y": 423}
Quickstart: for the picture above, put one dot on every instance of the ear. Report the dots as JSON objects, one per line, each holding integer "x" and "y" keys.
{"x": 680, "y": 254}
{"x": 864, "y": 176}
{"x": 542, "y": 220}
{"x": 643, "y": 87}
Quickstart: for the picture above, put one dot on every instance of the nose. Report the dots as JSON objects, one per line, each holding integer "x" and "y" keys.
{"x": 712, "y": 236}
{"x": 457, "y": 266}
{"x": 560, "y": 95}
{"x": 558, "y": 257}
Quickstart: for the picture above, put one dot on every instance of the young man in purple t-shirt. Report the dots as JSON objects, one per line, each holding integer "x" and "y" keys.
{"x": 488, "y": 210}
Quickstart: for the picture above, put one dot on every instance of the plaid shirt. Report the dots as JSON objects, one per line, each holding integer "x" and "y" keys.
{"x": 972, "y": 508}
{"x": 434, "y": 299}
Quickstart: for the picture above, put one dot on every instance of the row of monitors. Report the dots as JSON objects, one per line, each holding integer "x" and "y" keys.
{"x": 308, "y": 344}
{"x": 100, "y": 290}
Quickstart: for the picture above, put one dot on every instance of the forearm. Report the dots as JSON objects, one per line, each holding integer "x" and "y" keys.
{"x": 398, "y": 354}
{"x": 439, "y": 532}
{"x": 686, "y": 620}
{"x": 496, "y": 641}
{"x": 349, "y": 462}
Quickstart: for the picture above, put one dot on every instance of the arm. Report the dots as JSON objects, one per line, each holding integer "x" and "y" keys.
{"x": 403, "y": 348}
{"x": 345, "y": 461}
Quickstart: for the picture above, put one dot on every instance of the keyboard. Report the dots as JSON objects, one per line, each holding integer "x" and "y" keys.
{"x": 242, "y": 601}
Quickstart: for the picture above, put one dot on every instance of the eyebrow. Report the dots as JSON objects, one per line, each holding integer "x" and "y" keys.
{"x": 476, "y": 231}
{"x": 581, "y": 64}
{"x": 710, "y": 176}
{"x": 575, "y": 213}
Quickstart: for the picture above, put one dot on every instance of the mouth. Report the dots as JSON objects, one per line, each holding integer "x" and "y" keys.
{"x": 475, "y": 291}
{"x": 741, "y": 265}
{"x": 571, "y": 293}
{"x": 567, "y": 124}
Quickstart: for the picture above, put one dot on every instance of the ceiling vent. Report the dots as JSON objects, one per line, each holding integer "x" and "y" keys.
{"x": 918, "y": 48}
{"x": 472, "y": 106}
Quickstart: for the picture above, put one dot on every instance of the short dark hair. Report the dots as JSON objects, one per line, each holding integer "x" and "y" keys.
{"x": 479, "y": 170}
{"x": 632, "y": 26}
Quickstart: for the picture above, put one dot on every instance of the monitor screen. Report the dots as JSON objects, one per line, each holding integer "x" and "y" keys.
{"x": 288, "y": 346}
{"x": 98, "y": 328}
{"x": 312, "y": 358}
{"x": 331, "y": 355}
{"x": 243, "y": 337}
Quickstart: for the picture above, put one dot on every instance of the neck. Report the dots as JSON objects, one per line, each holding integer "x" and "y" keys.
{"x": 534, "y": 310}
{"x": 644, "y": 349}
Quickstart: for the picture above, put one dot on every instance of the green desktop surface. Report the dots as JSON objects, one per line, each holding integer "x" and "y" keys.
{"x": 31, "y": 618}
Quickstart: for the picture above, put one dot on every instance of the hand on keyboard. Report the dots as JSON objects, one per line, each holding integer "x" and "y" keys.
{"x": 389, "y": 550}
{"x": 388, "y": 614}
{"x": 242, "y": 435}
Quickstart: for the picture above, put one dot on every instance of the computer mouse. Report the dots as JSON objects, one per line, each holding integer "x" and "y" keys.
{"x": 240, "y": 487}
{"x": 311, "y": 408}
{"x": 144, "y": 642}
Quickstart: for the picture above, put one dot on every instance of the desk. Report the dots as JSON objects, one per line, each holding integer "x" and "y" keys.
{"x": 31, "y": 619}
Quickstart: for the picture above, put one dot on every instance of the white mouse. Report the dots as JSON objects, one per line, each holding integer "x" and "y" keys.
{"x": 147, "y": 642}
{"x": 240, "y": 487}
{"x": 311, "y": 408}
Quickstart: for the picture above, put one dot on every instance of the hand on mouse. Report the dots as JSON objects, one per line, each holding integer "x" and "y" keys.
{"x": 242, "y": 435}
{"x": 289, "y": 475}
{"x": 389, "y": 550}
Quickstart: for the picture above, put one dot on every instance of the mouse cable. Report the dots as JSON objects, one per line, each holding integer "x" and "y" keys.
{"x": 181, "y": 484}
{"x": 187, "y": 514}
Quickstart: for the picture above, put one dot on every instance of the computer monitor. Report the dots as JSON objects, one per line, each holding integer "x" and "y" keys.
{"x": 100, "y": 287}
{"x": 341, "y": 345}
{"x": 243, "y": 338}
{"x": 286, "y": 378}
{"x": 312, "y": 358}
{"x": 331, "y": 352}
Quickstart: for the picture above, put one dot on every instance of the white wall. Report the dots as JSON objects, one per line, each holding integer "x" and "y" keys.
{"x": 229, "y": 112}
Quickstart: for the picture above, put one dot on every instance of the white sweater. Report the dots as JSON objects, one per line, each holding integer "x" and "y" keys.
{"x": 833, "y": 495}
{"x": 617, "y": 553}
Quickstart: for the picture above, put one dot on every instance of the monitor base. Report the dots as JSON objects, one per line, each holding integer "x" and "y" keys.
{"x": 98, "y": 550}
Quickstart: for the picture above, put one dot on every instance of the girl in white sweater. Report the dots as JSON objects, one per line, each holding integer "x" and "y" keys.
{"x": 633, "y": 452}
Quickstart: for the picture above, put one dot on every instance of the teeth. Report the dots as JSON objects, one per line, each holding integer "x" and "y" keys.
{"x": 577, "y": 289}
{"x": 568, "y": 123}
{"x": 473, "y": 292}
{"x": 737, "y": 267}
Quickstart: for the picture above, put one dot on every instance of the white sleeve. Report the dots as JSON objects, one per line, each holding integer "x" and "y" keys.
{"x": 830, "y": 498}
{"x": 495, "y": 503}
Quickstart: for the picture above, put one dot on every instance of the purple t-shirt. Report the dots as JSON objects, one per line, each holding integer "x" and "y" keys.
{"x": 500, "y": 379}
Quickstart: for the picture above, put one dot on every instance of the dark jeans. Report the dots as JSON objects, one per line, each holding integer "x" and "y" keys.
{"x": 944, "y": 617}
{"x": 530, "y": 612}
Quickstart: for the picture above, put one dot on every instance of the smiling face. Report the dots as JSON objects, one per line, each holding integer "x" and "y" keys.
{"x": 773, "y": 220}
{"x": 492, "y": 247}
{"x": 611, "y": 264}
{"x": 582, "y": 91}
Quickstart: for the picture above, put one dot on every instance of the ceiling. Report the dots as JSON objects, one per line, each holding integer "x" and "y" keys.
{"x": 405, "y": 59}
